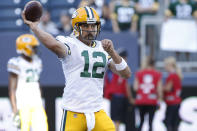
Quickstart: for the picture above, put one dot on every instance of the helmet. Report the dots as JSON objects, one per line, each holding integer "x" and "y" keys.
{"x": 85, "y": 15}
{"x": 25, "y": 44}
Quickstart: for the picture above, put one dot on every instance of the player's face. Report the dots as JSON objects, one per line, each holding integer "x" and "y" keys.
{"x": 88, "y": 31}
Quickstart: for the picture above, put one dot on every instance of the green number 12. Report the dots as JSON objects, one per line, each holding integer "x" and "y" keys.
{"x": 85, "y": 72}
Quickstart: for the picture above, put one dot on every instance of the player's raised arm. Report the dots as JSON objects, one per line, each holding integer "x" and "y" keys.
{"x": 118, "y": 65}
{"x": 47, "y": 39}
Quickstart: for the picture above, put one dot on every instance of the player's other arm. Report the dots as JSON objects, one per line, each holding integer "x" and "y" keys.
{"x": 13, "y": 78}
{"x": 123, "y": 69}
{"x": 47, "y": 39}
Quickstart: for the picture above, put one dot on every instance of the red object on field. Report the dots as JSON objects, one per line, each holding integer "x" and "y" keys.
{"x": 33, "y": 11}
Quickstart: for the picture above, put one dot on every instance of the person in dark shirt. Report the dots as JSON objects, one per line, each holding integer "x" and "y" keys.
{"x": 124, "y": 17}
{"x": 65, "y": 25}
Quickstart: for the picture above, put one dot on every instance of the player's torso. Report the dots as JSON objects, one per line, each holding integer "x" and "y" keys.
{"x": 85, "y": 63}
{"x": 28, "y": 90}
{"x": 84, "y": 71}
{"x": 29, "y": 71}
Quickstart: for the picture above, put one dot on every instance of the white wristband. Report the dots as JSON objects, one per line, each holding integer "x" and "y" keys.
{"x": 121, "y": 66}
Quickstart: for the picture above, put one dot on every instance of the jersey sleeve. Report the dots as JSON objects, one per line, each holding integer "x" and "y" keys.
{"x": 13, "y": 66}
{"x": 63, "y": 40}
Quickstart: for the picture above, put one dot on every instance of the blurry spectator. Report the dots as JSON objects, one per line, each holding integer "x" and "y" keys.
{"x": 148, "y": 8}
{"x": 195, "y": 3}
{"x": 103, "y": 10}
{"x": 65, "y": 25}
{"x": 168, "y": 2}
{"x": 195, "y": 7}
{"x": 172, "y": 91}
{"x": 118, "y": 91}
{"x": 96, "y": 4}
{"x": 182, "y": 9}
{"x": 172, "y": 1}
{"x": 106, "y": 23}
{"x": 83, "y": 3}
{"x": 124, "y": 17}
{"x": 47, "y": 25}
{"x": 148, "y": 87}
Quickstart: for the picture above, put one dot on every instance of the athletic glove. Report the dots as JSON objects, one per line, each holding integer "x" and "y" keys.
{"x": 17, "y": 120}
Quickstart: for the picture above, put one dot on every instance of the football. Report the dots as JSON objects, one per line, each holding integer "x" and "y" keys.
{"x": 33, "y": 10}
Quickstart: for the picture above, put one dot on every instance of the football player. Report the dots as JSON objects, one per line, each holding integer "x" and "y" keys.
{"x": 24, "y": 90}
{"x": 84, "y": 62}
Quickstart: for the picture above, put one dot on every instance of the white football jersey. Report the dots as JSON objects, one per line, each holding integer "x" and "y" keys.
{"x": 84, "y": 69}
{"x": 28, "y": 89}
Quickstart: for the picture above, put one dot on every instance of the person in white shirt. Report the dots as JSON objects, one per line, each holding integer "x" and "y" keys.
{"x": 84, "y": 62}
{"x": 24, "y": 89}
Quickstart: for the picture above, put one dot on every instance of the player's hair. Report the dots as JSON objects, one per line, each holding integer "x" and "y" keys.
{"x": 172, "y": 61}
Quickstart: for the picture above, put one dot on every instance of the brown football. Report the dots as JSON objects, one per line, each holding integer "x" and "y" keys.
{"x": 33, "y": 10}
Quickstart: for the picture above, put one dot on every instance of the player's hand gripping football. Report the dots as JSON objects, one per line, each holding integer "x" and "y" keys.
{"x": 29, "y": 23}
{"x": 108, "y": 46}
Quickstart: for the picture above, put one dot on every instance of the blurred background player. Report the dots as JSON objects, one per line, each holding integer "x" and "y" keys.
{"x": 65, "y": 25}
{"x": 47, "y": 24}
{"x": 84, "y": 62}
{"x": 118, "y": 91}
{"x": 24, "y": 89}
{"x": 172, "y": 92}
{"x": 124, "y": 17}
{"x": 148, "y": 87}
